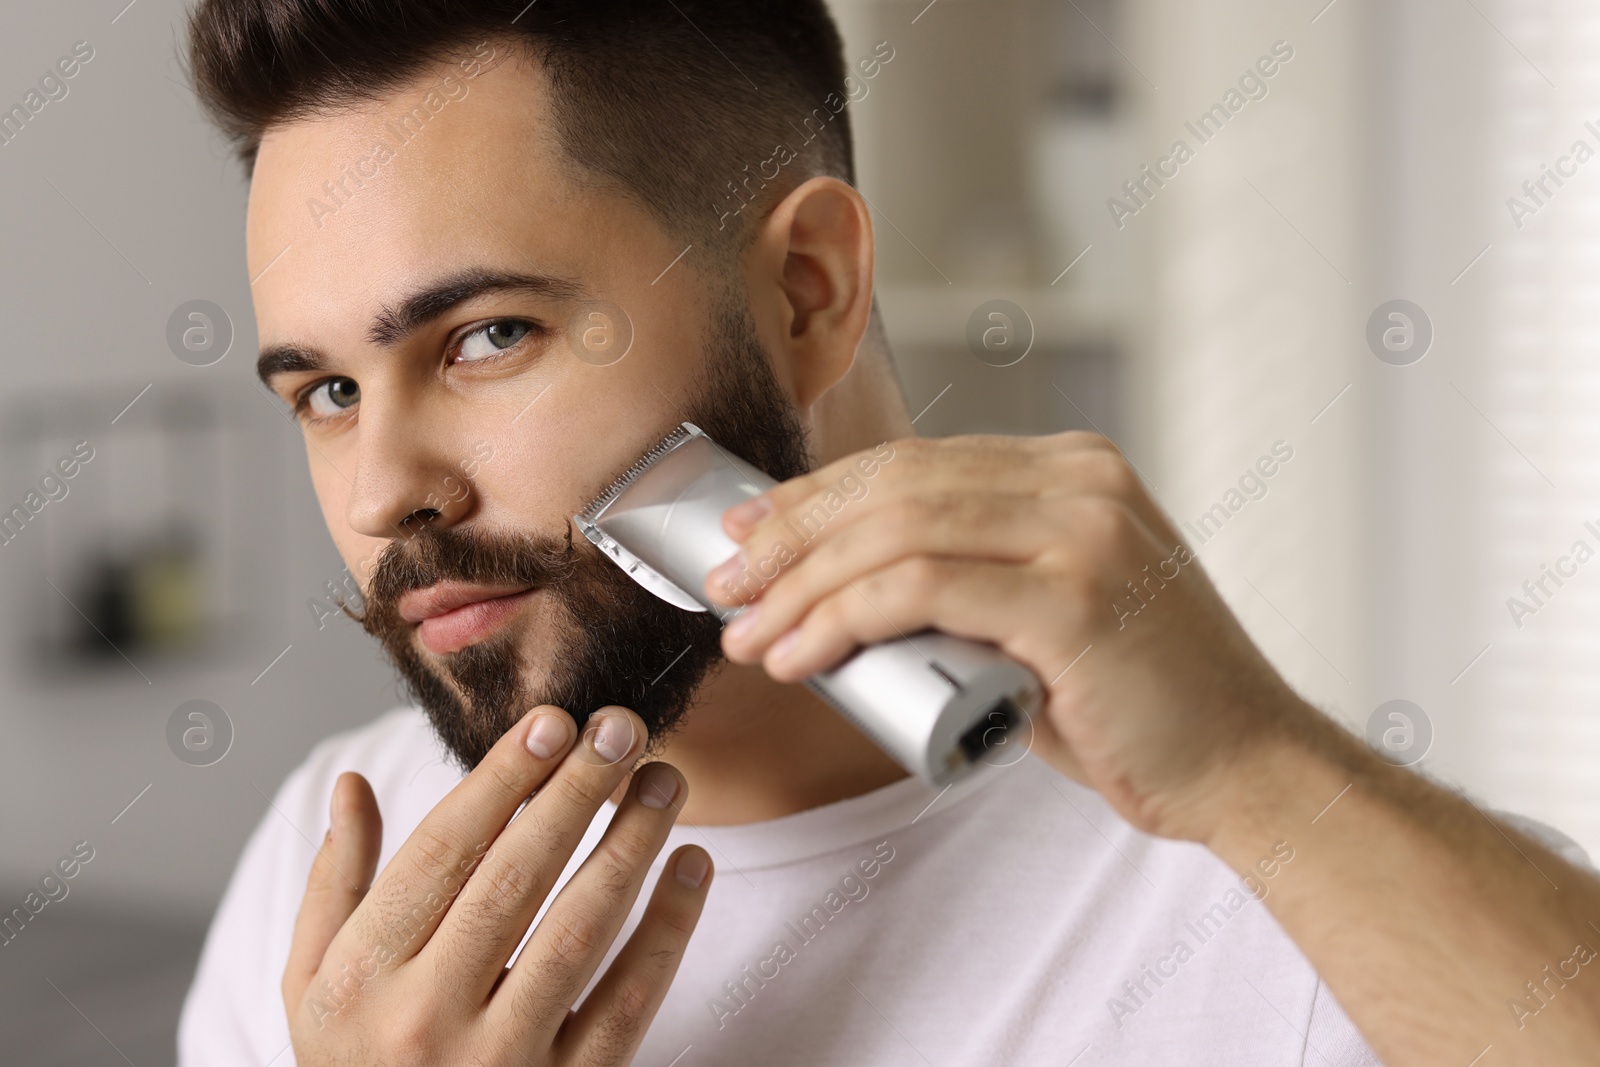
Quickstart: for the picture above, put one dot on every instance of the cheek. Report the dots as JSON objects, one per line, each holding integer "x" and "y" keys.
{"x": 333, "y": 497}
{"x": 542, "y": 466}
{"x": 333, "y": 494}
{"x": 591, "y": 425}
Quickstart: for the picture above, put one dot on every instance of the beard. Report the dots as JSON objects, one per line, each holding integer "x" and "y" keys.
{"x": 615, "y": 642}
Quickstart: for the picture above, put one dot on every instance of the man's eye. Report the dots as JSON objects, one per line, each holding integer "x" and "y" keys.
{"x": 328, "y": 398}
{"x": 486, "y": 342}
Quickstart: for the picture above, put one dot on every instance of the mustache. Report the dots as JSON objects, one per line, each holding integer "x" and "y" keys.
{"x": 435, "y": 554}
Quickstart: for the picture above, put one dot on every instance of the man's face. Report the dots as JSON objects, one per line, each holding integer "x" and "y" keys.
{"x": 446, "y": 304}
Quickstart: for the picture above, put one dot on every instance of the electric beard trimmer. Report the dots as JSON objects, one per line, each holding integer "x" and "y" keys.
{"x": 937, "y": 704}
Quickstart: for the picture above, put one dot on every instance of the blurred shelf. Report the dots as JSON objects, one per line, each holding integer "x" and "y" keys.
{"x": 1068, "y": 379}
{"x": 927, "y": 315}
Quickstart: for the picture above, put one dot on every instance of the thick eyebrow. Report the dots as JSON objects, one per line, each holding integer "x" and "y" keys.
{"x": 286, "y": 358}
{"x": 393, "y": 323}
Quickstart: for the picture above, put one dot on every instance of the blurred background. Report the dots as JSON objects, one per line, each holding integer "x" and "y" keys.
{"x": 1342, "y": 269}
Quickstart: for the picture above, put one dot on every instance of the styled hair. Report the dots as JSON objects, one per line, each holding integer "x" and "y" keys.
{"x": 677, "y": 102}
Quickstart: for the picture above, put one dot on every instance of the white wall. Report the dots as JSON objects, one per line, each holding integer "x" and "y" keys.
{"x": 1380, "y": 566}
{"x": 128, "y": 149}
{"x": 1536, "y": 460}
{"x": 1253, "y": 311}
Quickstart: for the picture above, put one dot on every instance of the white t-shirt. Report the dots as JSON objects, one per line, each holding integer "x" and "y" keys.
{"x": 1012, "y": 919}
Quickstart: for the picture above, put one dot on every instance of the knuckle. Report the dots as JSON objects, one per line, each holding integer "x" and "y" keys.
{"x": 500, "y": 775}
{"x": 788, "y": 590}
{"x": 1083, "y": 440}
{"x": 1104, "y": 523}
{"x": 969, "y": 511}
{"x": 629, "y": 846}
{"x": 584, "y": 788}
{"x": 574, "y": 937}
{"x": 615, "y": 873}
{"x": 608, "y": 1043}
{"x": 829, "y": 554}
{"x": 881, "y": 600}
{"x": 913, "y": 447}
{"x": 484, "y": 926}
{"x": 810, "y": 517}
{"x": 410, "y": 1039}
{"x": 678, "y": 923}
{"x": 890, "y": 461}
{"x": 433, "y": 852}
{"x": 768, "y": 558}
{"x": 554, "y": 836}
{"x": 630, "y": 1007}
{"x": 534, "y": 824}
{"x": 1109, "y": 470}
{"x": 982, "y": 452}
{"x": 508, "y": 880}
{"x": 478, "y": 942}
{"x": 920, "y": 575}
{"x": 540, "y": 1005}
{"x": 787, "y": 599}
{"x": 1077, "y": 586}
{"x": 835, "y": 611}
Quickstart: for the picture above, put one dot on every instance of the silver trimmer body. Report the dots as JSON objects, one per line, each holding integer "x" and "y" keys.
{"x": 940, "y": 705}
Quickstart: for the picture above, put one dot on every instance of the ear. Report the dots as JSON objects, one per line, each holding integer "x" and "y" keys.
{"x": 810, "y": 282}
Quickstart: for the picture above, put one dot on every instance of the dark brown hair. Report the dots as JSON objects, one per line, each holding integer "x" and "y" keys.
{"x": 678, "y": 102}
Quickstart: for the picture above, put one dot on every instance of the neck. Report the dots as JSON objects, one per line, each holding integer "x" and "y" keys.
{"x": 753, "y": 749}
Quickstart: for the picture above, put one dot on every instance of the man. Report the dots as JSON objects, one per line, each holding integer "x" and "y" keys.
{"x": 499, "y": 252}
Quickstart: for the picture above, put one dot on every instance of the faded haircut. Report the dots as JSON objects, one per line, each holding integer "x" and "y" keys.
{"x": 675, "y": 102}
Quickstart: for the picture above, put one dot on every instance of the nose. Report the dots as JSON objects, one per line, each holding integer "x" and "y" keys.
{"x": 407, "y": 475}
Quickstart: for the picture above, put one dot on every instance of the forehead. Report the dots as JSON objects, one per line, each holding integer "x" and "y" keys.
{"x": 456, "y": 166}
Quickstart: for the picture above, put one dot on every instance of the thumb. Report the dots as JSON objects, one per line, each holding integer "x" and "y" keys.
{"x": 340, "y": 877}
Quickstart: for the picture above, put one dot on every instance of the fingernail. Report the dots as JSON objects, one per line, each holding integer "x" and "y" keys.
{"x": 693, "y": 868}
{"x": 749, "y": 512}
{"x": 728, "y": 571}
{"x": 613, "y": 738}
{"x": 547, "y": 736}
{"x": 743, "y": 623}
{"x": 658, "y": 786}
{"x": 783, "y": 646}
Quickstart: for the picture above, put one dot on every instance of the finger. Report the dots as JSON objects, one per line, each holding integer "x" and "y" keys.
{"x": 577, "y": 931}
{"x": 973, "y": 460}
{"x": 981, "y": 601}
{"x": 415, "y": 889}
{"x": 1103, "y": 471}
{"x": 612, "y": 1022}
{"x": 1036, "y": 612}
{"x": 807, "y": 512}
{"x": 340, "y": 877}
{"x": 905, "y": 462}
{"x": 1007, "y": 528}
{"x": 499, "y": 901}
{"x": 739, "y": 520}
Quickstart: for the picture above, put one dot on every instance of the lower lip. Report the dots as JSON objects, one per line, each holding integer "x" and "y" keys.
{"x": 470, "y": 623}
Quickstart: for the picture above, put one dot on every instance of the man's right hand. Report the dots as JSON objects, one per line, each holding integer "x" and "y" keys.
{"x": 413, "y": 969}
